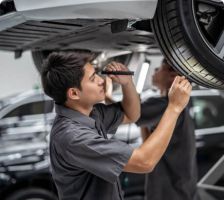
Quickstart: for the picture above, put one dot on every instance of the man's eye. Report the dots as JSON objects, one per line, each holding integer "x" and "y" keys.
{"x": 93, "y": 78}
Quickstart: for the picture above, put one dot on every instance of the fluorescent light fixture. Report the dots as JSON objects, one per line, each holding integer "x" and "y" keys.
{"x": 142, "y": 76}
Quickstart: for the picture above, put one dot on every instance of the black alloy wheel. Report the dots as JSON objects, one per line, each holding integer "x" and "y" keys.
{"x": 191, "y": 36}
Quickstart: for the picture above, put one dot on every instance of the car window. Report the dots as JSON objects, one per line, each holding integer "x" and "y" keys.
{"x": 208, "y": 111}
{"x": 33, "y": 108}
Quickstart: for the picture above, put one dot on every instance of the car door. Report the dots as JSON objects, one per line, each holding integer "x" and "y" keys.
{"x": 209, "y": 128}
{"x": 26, "y": 120}
{"x": 209, "y": 121}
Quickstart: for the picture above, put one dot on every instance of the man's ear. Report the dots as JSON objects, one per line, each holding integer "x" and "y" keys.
{"x": 73, "y": 94}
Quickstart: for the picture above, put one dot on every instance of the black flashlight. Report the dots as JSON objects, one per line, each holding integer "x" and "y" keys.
{"x": 129, "y": 73}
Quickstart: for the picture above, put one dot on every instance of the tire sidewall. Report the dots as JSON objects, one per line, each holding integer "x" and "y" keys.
{"x": 26, "y": 194}
{"x": 195, "y": 41}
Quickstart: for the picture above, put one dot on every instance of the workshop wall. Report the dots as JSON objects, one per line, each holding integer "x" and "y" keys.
{"x": 17, "y": 75}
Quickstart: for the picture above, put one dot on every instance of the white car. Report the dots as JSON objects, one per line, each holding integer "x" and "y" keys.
{"x": 190, "y": 33}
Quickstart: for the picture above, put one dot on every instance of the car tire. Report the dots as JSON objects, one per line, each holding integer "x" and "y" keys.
{"x": 32, "y": 193}
{"x": 182, "y": 43}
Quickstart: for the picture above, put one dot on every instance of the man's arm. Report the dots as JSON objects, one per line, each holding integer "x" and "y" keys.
{"x": 131, "y": 100}
{"x": 130, "y": 103}
{"x": 145, "y": 158}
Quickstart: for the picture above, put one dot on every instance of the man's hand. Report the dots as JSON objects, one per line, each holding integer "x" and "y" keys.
{"x": 121, "y": 79}
{"x": 130, "y": 96}
{"x": 179, "y": 94}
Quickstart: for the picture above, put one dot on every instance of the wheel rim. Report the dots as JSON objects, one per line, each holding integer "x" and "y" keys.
{"x": 208, "y": 16}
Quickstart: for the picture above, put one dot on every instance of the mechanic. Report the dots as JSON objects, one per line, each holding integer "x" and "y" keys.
{"x": 175, "y": 176}
{"x": 85, "y": 163}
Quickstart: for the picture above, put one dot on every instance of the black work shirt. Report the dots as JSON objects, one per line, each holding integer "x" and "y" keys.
{"x": 175, "y": 176}
{"x": 85, "y": 163}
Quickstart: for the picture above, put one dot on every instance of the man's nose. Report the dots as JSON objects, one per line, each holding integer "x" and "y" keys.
{"x": 101, "y": 80}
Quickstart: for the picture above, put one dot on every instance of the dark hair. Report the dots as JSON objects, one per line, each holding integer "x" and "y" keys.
{"x": 164, "y": 61}
{"x": 63, "y": 70}
{"x": 170, "y": 67}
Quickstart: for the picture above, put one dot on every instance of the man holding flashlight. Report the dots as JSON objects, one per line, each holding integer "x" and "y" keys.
{"x": 85, "y": 163}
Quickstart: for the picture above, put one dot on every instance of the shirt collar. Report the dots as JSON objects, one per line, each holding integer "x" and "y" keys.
{"x": 75, "y": 116}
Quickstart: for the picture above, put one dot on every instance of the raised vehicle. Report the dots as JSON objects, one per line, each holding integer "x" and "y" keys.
{"x": 190, "y": 33}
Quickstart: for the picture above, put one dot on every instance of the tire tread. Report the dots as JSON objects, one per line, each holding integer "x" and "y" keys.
{"x": 169, "y": 35}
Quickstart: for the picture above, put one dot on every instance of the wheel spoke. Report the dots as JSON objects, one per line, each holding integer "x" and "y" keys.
{"x": 216, "y": 3}
{"x": 222, "y": 53}
{"x": 220, "y": 45}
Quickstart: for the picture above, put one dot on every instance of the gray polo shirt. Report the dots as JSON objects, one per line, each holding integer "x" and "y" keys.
{"x": 86, "y": 164}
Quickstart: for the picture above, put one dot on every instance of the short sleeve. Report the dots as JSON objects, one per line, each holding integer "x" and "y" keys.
{"x": 111, "y": 116}
{"x": 102, "y": 157}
